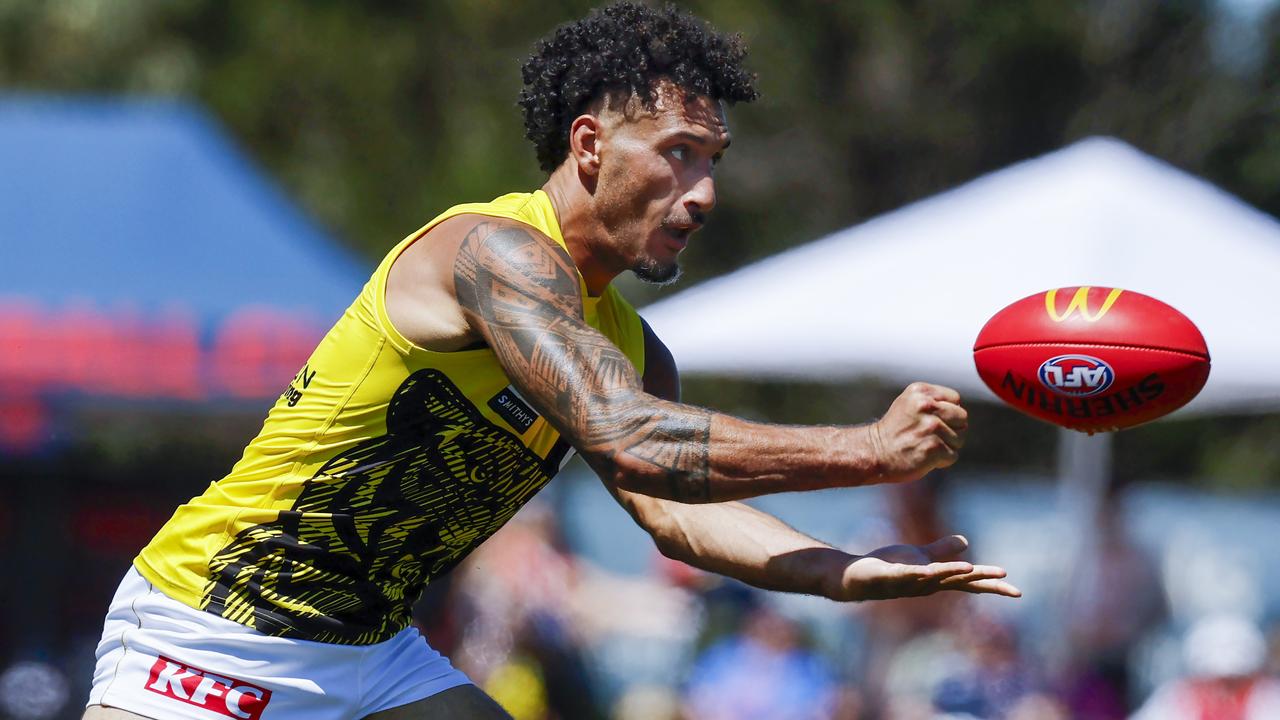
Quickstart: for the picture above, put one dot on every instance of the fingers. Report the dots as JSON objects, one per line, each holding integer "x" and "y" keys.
{"x": 924, "y": 429}
{"x": 989, "y": 586}
{"x": 944, "y": 404}
{"x": 953, "y": 439}
{"x": 872, "y": 578}
{"x": 992, "y": 587}
{"x": 945, "y": 548}
{"x": 983, "y": 579}
{"x": 962, "y": 577}
{"x": 937, "y": 392}
{"x": 941, "y": 572}
{"x": 952, "y": 414}
{"x": 954, "y": 425}
{"x": 978, "y": 572}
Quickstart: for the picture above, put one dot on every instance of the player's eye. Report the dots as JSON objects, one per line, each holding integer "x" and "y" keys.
{"x": 680, "y": 152}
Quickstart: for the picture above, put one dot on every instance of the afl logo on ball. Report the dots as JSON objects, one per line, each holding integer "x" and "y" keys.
{"x": 1076, "y": 375}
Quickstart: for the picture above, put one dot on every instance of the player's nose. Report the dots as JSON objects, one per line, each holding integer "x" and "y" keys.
{"x": 701, "y": 198}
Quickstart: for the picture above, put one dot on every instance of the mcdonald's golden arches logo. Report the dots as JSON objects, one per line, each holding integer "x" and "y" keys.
{"x": 1079, "y": 301}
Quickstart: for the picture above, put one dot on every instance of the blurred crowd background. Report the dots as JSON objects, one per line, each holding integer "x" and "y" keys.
{"x": 376, "y": 116}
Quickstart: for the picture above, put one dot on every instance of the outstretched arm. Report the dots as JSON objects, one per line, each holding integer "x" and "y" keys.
{"x": 741, "y": 542}
{"x": 520, "y": 292}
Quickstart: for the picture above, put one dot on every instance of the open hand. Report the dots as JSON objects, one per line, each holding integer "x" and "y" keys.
{"x": 923, "y": 429}
{"x": 911, "y": 570}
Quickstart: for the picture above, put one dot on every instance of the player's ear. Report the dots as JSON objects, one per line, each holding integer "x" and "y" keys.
{"x": 584, "y": 138}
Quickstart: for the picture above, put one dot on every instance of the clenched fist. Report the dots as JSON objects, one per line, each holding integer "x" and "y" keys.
{"x": 924, "y": 429}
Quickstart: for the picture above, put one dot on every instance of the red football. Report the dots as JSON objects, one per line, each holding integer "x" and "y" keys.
{"x": 1092, "y": 358}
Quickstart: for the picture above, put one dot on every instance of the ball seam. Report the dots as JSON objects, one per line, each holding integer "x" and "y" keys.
{"x": 1113, "y": 346}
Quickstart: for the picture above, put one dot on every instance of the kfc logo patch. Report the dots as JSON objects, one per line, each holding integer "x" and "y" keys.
{"x": 217, "y": 693}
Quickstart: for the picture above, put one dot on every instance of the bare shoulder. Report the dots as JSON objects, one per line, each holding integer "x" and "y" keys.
{"x": 508, "y": 269}
{"x": 422, "y": 296}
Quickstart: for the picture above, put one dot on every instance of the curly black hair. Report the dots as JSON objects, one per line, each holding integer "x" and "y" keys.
{"x": 624, "y": 48}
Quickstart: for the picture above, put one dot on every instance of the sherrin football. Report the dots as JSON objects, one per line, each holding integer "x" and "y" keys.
{"x": 1093, "y": 359}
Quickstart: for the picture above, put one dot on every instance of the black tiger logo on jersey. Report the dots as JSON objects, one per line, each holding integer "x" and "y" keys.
{"x": 378, "y": 522}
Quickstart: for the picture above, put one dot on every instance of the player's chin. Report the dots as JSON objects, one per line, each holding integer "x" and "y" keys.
{"x": 654, "y": 271}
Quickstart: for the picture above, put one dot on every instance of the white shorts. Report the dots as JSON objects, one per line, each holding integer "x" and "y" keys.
{"x": 163, "y": 659}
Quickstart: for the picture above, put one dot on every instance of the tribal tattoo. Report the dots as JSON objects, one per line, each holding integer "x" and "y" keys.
{"x": 524, "y": 297}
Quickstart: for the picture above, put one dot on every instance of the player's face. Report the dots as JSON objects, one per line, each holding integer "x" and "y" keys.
{"x": 656, "y": 183}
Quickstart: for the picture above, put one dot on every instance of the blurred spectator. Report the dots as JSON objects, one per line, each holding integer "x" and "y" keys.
{"x": 913, "y": 672}
{"x": 992, "y": 676}
{"x": 1114, "y": 599}
{"x": 519, "y": 640}
{"x": 637, "y": 630}
{"x": 1225, "y": 658}
{"x": 762, "y": 674}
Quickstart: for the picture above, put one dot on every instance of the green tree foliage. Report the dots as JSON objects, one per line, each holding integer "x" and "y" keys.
{"x": 378, "y": 115}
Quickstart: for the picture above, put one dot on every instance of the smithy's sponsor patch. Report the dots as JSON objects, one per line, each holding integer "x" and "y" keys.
{"x": 513, "y": 409}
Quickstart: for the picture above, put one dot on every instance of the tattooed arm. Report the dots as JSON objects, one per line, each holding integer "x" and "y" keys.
{"x": 519, "y": 292}
{"x": 734, "y": 539}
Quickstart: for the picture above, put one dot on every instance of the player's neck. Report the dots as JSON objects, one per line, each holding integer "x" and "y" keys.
{"x": 579, "y": 227}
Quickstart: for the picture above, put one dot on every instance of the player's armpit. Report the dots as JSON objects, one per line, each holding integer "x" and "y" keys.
{"x": 521, "y": 292}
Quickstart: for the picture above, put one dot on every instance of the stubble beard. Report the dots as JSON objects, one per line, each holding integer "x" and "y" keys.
{"x": 643, "y": 264}
{"x": 654, "y": 272}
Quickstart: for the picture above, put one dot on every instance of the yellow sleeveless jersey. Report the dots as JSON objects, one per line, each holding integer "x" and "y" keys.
{"x": 379, "y": 468}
